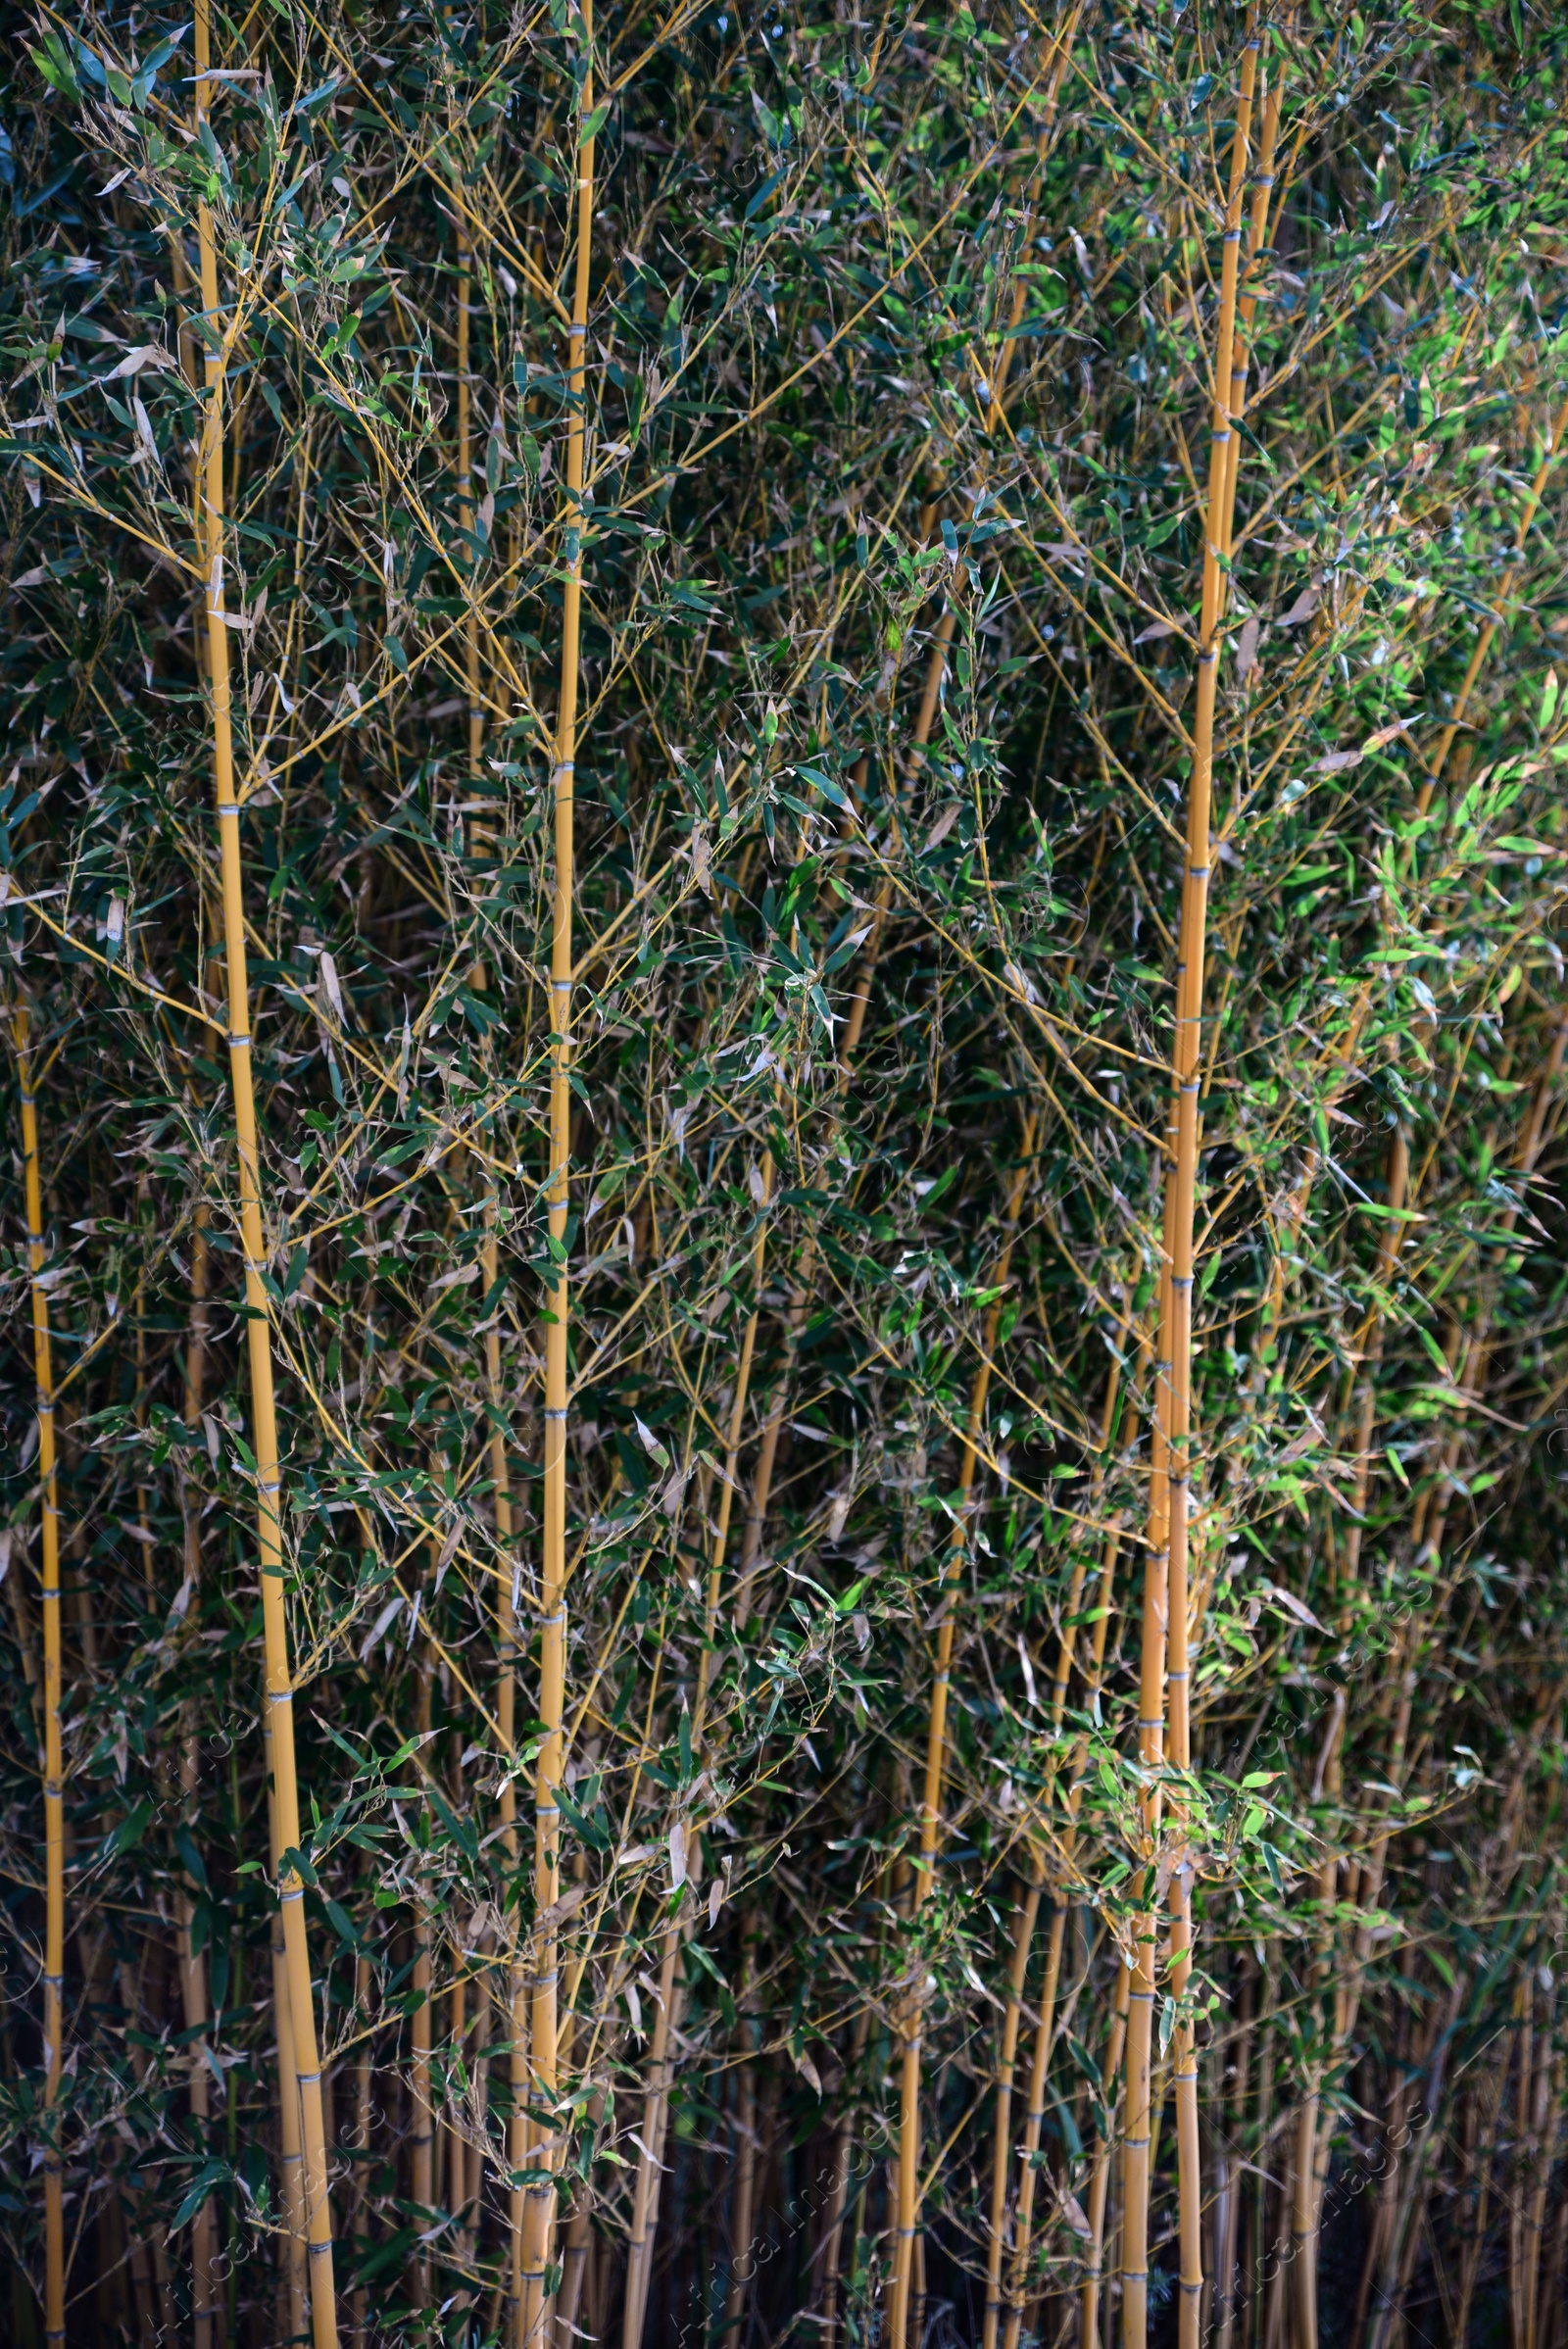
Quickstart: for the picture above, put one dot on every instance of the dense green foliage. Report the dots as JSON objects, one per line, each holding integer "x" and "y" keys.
{"x": 892, "y": 317}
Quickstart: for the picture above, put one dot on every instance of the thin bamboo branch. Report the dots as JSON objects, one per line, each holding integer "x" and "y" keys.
{"x": 54, "y": 1817}
{"x": 909, "y": 2163}
{"x": 1486, "y": 635}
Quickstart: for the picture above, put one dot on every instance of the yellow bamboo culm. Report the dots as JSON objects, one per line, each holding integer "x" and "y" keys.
{"x": 203, "y": 2298}
{"x": 506, "y": 1721}
{"x": 908, "y": 2169}
{"x": 54, "y": 1821}
{"x": 650, "y": 2169}
{"x": 539, "y": 2203}
{"x": 465, "y": 517}
{"x": 1046, "y": 2004}
{"x": 489, "y": 1264}
{"x": 1183, "y": 1176}
{"x": 661, "y": 2066}
{"x": 1001, "y": 2143}
{"x": 422, "y": 2146}
{"x": 300, "y": 2082}
{"x": 1165, "y": 1667}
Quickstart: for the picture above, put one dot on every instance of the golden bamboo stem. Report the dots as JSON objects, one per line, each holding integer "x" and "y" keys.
{"x": 1543, "y": 2144}
{"x": 743, "y": 2205}
{"x": 656, "y": 2116}
{"x": 908, "y": 2163}
{"x": 838, "y": 2200}
{"x": 1246, "y": 305}
{"x": 1136, "y": 2035}
{"x": 54, "y": 1816}
{"x": 1099, "y": 2178}
{"x": 1304, "y": 2182}
{"x": 1002, "y": 2150}
{"x": 421, "y": 2159}
{"x": 295, "y": 2282}
{"x": 471, "y": 621}
{"x": 661, "y": 2069}
{"x": 193, "y": 1961}
{"x": 364, "y": 2073}
{"x": 506, "y": 1721}
{"x": 644, "y": 2190}
{"x": 193, "y": 1999}
{"x": 540, "y": 2199}
{"x": 454, "y": 2146}
{"x": 305, "y": 2085}
{"x": 1034, "y": 2118}
{"x": 500, "y": 1469}
{"x": 1045, "y": 2026}
{"x": 1165, "y": 1674}
{"x": 573, "y": 2272}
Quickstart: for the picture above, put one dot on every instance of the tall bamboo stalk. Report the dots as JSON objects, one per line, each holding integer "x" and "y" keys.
{"x": 305, "y": 2085}
{"x": 742, "y": 2206}
{"x": 908, "y": 2163}
{"x": 192, "y": 1961}
{"x": 421, "y": 2151}
{"x": 1099, "y": 2174}
{"x": 1045, "y": 2014}
{"x": 1002, "y": 2148}
{"x": 505, "y": 1722}
{"x": 1304, "y": 2175}
{"x": 465, "y": 516}
{"x": 839, "y": 2193}
{"x": 538, "y": 2215}
{"x": 54, "y": 1815}
{"x": 294, "y": 2281}
{"x": 1165, "y": 1608}
{"x": 656, "y": 2118}
{"x": 364, "y": 2074}
{"x": 489, "y": 1264}
{"x": 661, "y": 2067}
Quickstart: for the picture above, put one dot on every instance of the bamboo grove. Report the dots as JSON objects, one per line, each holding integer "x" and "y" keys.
{"x": 782, "y": 852}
